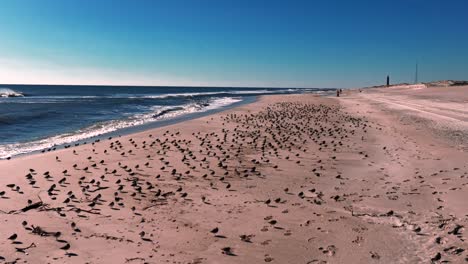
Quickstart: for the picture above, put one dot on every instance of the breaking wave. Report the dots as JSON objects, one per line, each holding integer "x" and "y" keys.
{"x": 7, "y": 92}
{"x": 158, "y": 113}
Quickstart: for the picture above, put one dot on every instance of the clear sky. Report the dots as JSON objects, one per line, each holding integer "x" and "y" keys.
{"x": 309, "y": 43}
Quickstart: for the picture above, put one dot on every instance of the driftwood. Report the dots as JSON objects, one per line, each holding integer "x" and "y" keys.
{"x": 133, "y": 259}
{"x": 161, "y": 202}
{"x": 32, "y": 206}
{"x": 41, "y": 232}
{"x": 79, "y": 210}
{"x": 36, "y": 205}
{"x": 98, "y": 189}
{"x": 23, "y": 250}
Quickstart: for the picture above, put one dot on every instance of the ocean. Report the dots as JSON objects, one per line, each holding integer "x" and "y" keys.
{"x": 39, "y": 117}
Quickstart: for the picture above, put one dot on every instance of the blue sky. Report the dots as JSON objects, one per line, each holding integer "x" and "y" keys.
{"x": 232, "y": 43}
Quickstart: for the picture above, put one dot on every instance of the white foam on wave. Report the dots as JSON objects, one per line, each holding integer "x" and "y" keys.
{"x": 114, "y": 125}
{"x": 162, "y": 96}
{"x": 221, "y": 102}
{"x": 7, "y": 92}
{"x": 252, "y": 92}
{"x": 239, "y": 92}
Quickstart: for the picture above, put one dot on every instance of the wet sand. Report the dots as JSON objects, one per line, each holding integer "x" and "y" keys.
{"x": 287, "y": 179}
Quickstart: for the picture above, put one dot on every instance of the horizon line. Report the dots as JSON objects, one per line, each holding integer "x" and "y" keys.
{"x": 171, "y": 86}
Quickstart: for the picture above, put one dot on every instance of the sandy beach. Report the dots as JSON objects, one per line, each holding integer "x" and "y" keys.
{"x": 378, "y": 176}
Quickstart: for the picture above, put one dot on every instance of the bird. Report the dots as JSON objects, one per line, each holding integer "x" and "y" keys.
{"x": 66, "y": 247}
{"x": 215, "y": 230}
{"x": 246, "y": 238}
{"x": 227, "y": 251}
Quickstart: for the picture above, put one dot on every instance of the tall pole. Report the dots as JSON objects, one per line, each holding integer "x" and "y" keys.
{"x": 416, "y": 74}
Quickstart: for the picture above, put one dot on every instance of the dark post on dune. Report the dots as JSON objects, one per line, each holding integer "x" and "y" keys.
{"x": 388, "y": 80}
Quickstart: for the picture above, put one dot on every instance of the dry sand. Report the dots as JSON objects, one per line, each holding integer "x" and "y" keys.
{"x": 288, "y": 179}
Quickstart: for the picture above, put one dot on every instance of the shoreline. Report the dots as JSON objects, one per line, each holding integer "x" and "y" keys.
{"x": 138, "y": 128}
{"x": 285, "y": 179}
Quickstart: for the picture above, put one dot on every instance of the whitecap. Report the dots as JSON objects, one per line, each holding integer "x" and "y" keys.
{"x": 7, "y": 92}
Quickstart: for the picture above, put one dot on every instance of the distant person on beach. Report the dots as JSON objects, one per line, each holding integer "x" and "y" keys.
{"x": 337, "y": 93}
